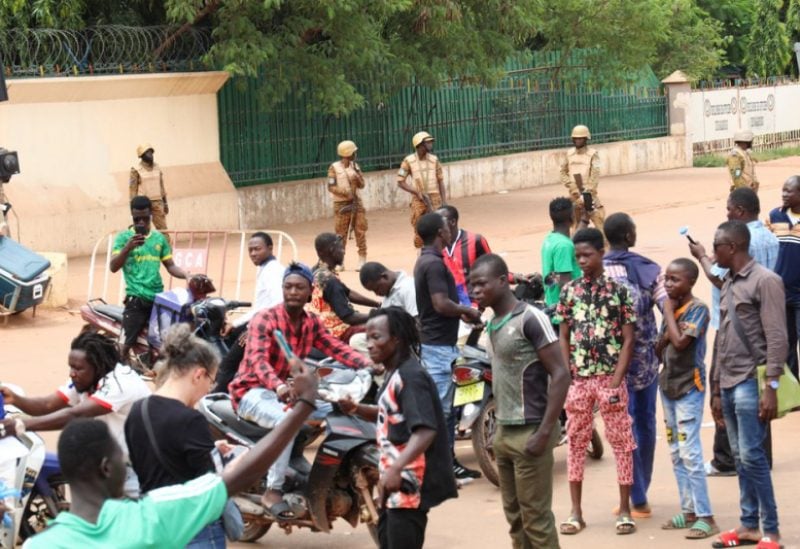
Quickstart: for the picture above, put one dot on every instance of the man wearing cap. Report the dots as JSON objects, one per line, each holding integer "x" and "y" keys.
{"x": 427, "y": 180}
{"x": 261, "y": 391}
{"x": 741, "y": 165}
{"x": 580, "y": 174}
{"x": 344, "y": 180}
{"x": 147, "y": 179}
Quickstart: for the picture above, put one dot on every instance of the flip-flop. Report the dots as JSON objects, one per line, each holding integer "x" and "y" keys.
{"x": 678, "y": 522}
{"x": 571, "y": 526}
{"x": 768, "y": 543}
{"x": 280, "y": 512}
{"x": 635, "y": 513}
{"x": 625, "y": 525}
{"x": 731, "y": 539}
{"x": 701, "y": 529}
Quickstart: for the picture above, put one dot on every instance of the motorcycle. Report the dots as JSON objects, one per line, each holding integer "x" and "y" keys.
{"x": 34, "y": 475}
{"x": 342, "y": 480}
{"x": 472, "y": 378}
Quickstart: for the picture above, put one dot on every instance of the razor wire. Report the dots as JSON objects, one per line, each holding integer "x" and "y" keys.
{"x": 108, "y": 49}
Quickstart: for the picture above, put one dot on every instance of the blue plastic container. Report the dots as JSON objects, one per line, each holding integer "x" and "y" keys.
{"x": 23, "y": 280}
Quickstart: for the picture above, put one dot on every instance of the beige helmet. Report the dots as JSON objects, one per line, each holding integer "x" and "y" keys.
{"x": 421, "y": 137}
{"x": 346, "y": 149}
{"x": 745, "y": 136}
{"x": 143, "y": 148}
{"x": 581, "y": 131}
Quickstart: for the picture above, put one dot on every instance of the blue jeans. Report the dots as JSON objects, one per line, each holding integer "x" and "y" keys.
{"x": 793, "y": 330}
{"x": 642, "y": 409}
{"x": 210, "y": 537}
{"x": 683, "y": 418}
{"x": 746, "y": 433}
{"x": 438, "y": 361}
{"x": 263, "y": 407}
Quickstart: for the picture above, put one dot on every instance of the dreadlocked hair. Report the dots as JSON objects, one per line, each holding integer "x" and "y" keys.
{"x": 101, "y": 351}
{"x": 402, "y": 326}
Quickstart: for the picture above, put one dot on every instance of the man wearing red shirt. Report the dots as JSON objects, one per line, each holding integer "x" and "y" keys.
{"x": 260, "y": 390}
{"x": 461, "y": 252}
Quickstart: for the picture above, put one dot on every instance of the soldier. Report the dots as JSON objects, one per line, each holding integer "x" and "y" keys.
{"x": 427, "y": 188}
{"x": 741, "y": 165}
{"x": 580, "y": 172}
{"x": 344, "y": 180}
{"x": 147, "y": 180}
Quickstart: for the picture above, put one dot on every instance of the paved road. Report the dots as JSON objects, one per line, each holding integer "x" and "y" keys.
{"x": 34, "y": 354}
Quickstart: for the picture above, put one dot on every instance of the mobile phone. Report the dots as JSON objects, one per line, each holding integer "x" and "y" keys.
{"x": 282, "y": 343}
{"x": 588, "y": 202}
{"x": 613, "y": 399}
{"x": 138, "y": 229}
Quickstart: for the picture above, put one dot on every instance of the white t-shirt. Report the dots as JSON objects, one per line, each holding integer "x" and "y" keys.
{"x": 116, "y": 392}
{"x": 269, "y": 290}
{"x": 403, "y": 294}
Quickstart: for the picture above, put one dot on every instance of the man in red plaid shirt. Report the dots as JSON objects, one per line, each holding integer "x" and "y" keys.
{"x": 260, "y": 390}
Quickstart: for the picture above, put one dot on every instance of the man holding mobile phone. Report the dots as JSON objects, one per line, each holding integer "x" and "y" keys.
{"x": 580, "y": 174}
{"x": 140, "y": 251}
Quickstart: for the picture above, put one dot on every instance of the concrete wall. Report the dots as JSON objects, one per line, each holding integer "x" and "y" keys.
{"x": 286, "y": 203}
{"x": 77, "y": 139}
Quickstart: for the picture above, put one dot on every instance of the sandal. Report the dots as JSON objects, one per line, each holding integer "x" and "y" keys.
{"x": 731, "y": 539}
{"x": 768, "y": 543}
{"x": 702, "y": 530}
{"x": 280, "y": 512}
{"x": 636, "y": 512}
{"x": 571, "y": 526}
{"x": 625, "y": 525}
{"x": 678, "y": 522}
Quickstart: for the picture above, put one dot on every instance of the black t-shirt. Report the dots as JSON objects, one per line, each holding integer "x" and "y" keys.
{"x": 407, "y": 401}
{"x": 431, "y": 276}
{"x": 337, "y": 295}
{"x": 183, "y": 438}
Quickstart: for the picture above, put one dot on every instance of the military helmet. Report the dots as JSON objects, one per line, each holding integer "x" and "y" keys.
{"x": 581, "y": 131}
{"x": 346, "y": 149}
{"x": 143, "y": 148}
{"x": 421, "y": 137}
{"x": 745, "y": 136}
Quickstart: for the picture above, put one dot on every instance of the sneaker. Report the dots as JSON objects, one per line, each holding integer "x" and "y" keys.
{"x": 712, "y": 471}
{"x": 361, "y": 260}
{"x": 463, "y": 473}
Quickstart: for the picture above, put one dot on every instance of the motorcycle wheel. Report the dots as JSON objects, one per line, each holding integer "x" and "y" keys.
{"x": 595, "y": 449}
{"x": 254, "y": 531}
{"x": 482, "y": 439}
{"x": 42, "y": 509}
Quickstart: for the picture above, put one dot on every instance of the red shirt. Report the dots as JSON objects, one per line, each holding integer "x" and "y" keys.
{"x": 264, "y": 365}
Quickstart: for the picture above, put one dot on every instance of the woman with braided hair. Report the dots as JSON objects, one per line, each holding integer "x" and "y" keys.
{"x": 98, "y": 386}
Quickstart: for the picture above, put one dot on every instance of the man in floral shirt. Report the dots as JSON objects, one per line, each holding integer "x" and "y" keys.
{"x": 596, "y": 320}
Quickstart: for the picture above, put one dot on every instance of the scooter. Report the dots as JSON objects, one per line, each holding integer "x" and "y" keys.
{"x": 34, "y": 476}
{"x": 342, "y": 480}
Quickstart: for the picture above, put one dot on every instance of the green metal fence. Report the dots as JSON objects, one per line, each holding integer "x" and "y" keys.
{"x": 534, "y": 107}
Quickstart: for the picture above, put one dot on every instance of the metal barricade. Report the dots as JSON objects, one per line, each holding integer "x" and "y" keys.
{"x": 209, "y": 252}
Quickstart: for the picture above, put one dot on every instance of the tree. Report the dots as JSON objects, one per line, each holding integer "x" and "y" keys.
{"x": 693, "y": 43}
{"x": 769, "y": 52}
{"x": 736, "y": 17}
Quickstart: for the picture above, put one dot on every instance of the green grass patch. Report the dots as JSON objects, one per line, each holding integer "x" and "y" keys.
{"x": 718, "y": 160}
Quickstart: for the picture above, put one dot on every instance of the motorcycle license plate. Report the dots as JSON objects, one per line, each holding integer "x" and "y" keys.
{"x": 468, "y": 393}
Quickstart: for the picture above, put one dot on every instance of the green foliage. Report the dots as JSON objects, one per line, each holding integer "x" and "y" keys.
{"x": 736, "y": 17}
{"x": 769, "y": 51}
{"x": 693, "y": 42}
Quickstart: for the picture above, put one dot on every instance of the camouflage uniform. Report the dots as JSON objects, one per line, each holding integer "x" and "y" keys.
{"x": 149, "y": 181}
{"x": 586, "y": 162}
{"x": 343, "y": 184}
{"x": 426, "y": 175}
{"x": 742, "y": 168}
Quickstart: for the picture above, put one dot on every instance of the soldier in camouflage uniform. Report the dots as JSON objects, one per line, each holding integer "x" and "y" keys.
{"x": 350, "y": 217}
{"x": 147, "y": 179}
{"x": 741, "y": 165}
{"x": 427, "y": 180}
{"x": 580, "y": 174}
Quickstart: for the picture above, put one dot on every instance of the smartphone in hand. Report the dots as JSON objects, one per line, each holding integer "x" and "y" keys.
{"x": 588, "y": 201}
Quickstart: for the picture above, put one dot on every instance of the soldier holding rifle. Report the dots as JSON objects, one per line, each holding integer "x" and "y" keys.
{"x": 350, "y": 217}
{"x": 427, "y": 180}
{"x": 580, "y": 174}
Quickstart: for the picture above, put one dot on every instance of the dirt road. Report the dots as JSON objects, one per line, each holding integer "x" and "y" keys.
{"x": 33, "y": 353}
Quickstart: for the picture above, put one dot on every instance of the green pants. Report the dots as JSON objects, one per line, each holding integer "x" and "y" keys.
{"x": 526, "y": 485}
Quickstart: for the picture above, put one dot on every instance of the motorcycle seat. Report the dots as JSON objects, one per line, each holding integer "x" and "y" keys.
{"x": 111, "y": 311}
{"x": 475, "y": 353}
{"x": 224, "y": 409}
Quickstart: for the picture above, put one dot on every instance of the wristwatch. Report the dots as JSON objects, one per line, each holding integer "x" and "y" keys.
{"x": 774, "y": 384}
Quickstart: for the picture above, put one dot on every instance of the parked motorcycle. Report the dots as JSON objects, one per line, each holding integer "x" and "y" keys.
{"x": 472, "y": 377}
{"x": 342, "y": 480}
{"x": 35, "y": 475}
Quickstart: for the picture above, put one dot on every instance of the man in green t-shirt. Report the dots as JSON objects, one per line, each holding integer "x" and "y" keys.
{"x": 559, "y": 265}
{"x": 92, "y": 463}
{"x": 139, "y": 251}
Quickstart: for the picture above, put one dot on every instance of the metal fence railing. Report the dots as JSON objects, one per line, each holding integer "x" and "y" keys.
{"x": 533, "y": 107}
{"x": 109, "y": 49}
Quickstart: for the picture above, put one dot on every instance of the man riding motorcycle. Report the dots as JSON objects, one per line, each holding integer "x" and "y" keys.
{"x": 260, "y": 391}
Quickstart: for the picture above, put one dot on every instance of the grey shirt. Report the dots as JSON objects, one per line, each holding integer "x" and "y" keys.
{"x": 760, "y": 304}
{"x": 403, "y": 294}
